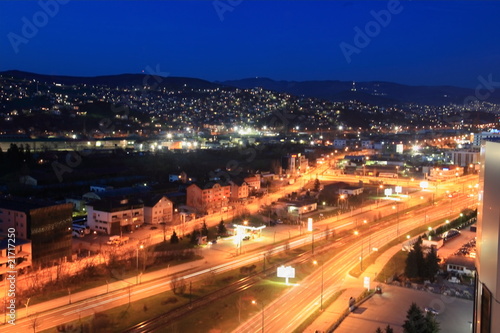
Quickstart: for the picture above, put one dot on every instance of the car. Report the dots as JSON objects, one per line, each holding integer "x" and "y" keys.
{"x": 279, "y": 221}
{"x": 246, "y": 237}
{"x": 432, "y": 311}
{"x": 153, "y": 228}
{"x": 450, "y": 234}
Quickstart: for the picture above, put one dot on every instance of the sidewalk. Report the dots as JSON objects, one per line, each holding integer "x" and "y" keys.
{"x": 353, "y": 288}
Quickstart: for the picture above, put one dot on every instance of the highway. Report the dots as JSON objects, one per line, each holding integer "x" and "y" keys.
{"x": 300, "y": 301}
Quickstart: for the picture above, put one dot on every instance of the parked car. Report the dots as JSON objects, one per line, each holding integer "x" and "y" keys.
{"x": 432, "y": 311}
{"x": 450, "y": 234}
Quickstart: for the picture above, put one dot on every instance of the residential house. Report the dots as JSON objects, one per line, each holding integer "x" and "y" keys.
{"x": 351, "y": 190}
{"x": 114, "y": 216}
{"x": 157, "y": 209}
{"x": 209, "y": 197}
{"x": 461, "y": 265}
{"x": 253, "y": 182}
{"x": 302, "y": 207}
{"x": 239, "y": 189}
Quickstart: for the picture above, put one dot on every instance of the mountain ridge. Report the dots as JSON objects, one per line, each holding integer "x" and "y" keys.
{"x": 380, "y": 93}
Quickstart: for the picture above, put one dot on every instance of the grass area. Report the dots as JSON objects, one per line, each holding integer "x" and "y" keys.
{"x": 122, "y": 317}
{"x": 394, "y": 267}
{"x": 370, "y": 259}
{"x": 226, "y": 314}
{"x": 219, "y": 315}
{"x": 99, "y": 281}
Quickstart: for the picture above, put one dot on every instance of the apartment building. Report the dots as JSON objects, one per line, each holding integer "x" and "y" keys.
{"x": 209, "y": 197}
{"x": 114, "y": 216}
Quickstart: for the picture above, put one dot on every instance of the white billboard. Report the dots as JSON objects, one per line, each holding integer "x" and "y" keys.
{"x": 286, "y": 272}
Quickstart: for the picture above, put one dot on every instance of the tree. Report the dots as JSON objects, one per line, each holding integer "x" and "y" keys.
{"x": 174, "y": 239}
{"x": 204, "y": 229}
{"x": 419, "y": 253}
{"x": 194, "y": 236}
{"x": 415, "y": 262}
{"x": 432, "y": 324}
{"x": 416, "y": 322}
{"x": 175, "y": 282}
{"x": 388, "y": 329}
{"x": 431, "y": 264}
{"x": 316, "y": 185}
{"x": 411, "y": 268}
{"x": 221, "y": 228}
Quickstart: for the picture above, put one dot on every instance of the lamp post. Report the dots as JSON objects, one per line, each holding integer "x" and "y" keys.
{"x": 397, "y": 212}
{"x": 262, "y": 311}
{"x": 321, "y": 298}
{"x": 360, "y": 252}
{"x": 140, "y": 247}
{"x": 311, "y": 229}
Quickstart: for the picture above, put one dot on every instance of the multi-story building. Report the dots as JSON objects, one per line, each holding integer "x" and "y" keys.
{"x": 20, "y": 255}
{"x": 486, "y": 306}
{"x": 294, "y": 163}
{"x": 464, "y": 158}
{"x": 239, "y": 189}
{"x": 157, "y": 209}
{"x": 46, "y": 224}
{"x": 445, "y": 173}
{"x": 209, "y": 197}
{"x": 115, "y": 216}
{"x": 480, "y": 137}
{"x": 253, "y": 182}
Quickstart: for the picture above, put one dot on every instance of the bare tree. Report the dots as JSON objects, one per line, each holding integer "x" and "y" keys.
{"x": 182, "y": 286}
{"x": 34, "y": 322}
{"x": 174, "y": 283}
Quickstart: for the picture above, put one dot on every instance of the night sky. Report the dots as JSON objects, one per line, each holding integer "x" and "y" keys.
{"x": 416, "y": 43}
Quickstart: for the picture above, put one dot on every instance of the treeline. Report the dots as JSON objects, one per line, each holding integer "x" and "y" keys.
{"x": 16, "y": 159}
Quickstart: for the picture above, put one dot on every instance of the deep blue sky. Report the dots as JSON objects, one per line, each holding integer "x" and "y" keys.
{"x": 427, "y": 43}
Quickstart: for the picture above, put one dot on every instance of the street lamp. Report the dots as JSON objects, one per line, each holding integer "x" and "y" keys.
{"x": 341, "y": 197}
{"x": 321, "y": 299}
{"x": 360, "y": 252}
{"x": 397, "y": 225}
{"x": 262, "y": 311}
{"x": 140, "y": 247}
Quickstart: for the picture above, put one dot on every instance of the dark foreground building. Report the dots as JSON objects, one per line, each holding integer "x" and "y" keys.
{"x": 487, "y": 304}
{"x": 46, "y": 224}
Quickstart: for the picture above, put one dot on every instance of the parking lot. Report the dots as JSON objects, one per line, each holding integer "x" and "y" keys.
{"x": 455, "y": 314}
{"x": 454, "y": 244}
